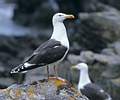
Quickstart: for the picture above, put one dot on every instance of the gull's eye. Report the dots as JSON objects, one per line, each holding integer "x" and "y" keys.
{"x": 60, "y": 15}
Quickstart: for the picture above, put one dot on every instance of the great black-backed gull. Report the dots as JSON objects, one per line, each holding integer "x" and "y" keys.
{"x": 52, "y": 51}
{"x": 87, "y": 88}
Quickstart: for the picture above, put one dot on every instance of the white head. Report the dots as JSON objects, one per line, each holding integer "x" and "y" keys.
{"x": 81, "y": 67}
{"x": 84, "y": 76}
{"x": 59, "y": 30}
{"x": 60, "y": 17}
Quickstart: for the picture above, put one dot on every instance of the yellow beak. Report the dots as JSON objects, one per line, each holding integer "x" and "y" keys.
{"x": 69, "y": 16}
{"x": 73, "y": 67}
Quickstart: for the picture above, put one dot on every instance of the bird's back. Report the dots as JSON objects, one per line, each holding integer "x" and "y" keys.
{"x": 95, "y": 92}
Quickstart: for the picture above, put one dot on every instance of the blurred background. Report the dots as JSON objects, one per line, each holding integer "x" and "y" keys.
{"x": 94, "y": 37}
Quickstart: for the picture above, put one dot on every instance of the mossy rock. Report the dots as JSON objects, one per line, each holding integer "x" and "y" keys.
{"x": 47, "y": 89}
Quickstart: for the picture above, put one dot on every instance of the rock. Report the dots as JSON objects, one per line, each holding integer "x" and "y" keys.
{"x": 2, "y": 69}
{"x": 116, "y": 46}
{"x": 33, "y": 12}
{"x": 115, "y": 87}
{"x": 116, "y": 81}
{"x": 93, "y": 31}
{"x": 74, "y": 59}
{"x": 5, "y": 82}
{"x": 114, "y": 3}
{"x": 107, "y": 22}
{"x": 85, "y": 56}
{"x": 78, "y": 6}
{"x": 42, "y": 11}
{"x": 90, "y": 56}
{"x": 108, "y": 51}
{"x": 47, "y": 89}
{"x": 89, "y": 6}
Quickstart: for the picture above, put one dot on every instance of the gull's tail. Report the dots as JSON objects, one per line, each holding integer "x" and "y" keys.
{"x": 24, "y": 67}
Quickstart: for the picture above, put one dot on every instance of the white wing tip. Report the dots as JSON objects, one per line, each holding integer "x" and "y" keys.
{"x": 13, "y": 71}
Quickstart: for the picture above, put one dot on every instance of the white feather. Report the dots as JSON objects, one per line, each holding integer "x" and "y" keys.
{"x": 59, "y": 32}
{"x": 27, "y": 65}
{"x": 84, "y": 76}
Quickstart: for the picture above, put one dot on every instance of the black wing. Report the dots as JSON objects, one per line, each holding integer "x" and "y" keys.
{"x": 95, "y": 92}
{"x": 49, "y": 52}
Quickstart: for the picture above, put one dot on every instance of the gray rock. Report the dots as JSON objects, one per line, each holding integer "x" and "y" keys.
{"x": 108, "y": 51}
{"x": 116, "y": 46}
{"x": 107, "y": 23}
{"x": 47, "y": 89}
{"x": 114, "y": 3}
{"x": 41, "y": 12}
{"x": 115, "y": 87}
{"x": 74, "y": 59}
{"x": 89, "y": 56}
{"x": 6, "y": 81}
{"x": 2, "y": 69}
{"x": 96, "y": 29}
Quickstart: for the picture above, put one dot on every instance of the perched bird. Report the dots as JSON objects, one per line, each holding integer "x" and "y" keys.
{"x": 87, "y": 88}
{"x": 51, "y": 52}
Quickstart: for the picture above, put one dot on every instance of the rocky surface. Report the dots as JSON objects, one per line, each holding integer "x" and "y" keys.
{"x": 93, "y": 31}
{"x": 40, "y": 12}
{"x": 47, "y": 89}
{"x": 114, "y": 3}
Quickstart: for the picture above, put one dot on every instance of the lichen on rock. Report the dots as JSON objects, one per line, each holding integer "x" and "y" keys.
{"x": 47, "y": 89}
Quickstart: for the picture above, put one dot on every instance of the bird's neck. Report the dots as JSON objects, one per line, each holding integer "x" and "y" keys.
{"x": 59, "y": 33}
{"x": 84, "y": 79}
